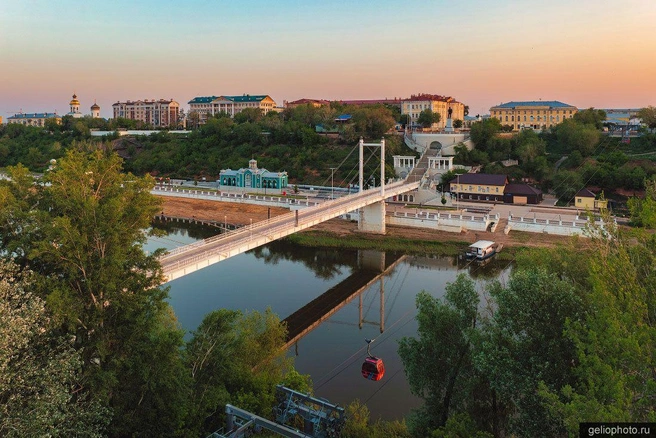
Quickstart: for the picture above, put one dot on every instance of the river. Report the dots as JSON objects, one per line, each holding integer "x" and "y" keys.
{"x": 285, "y": 277}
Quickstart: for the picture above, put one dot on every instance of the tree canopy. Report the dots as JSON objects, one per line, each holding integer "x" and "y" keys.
{"x": 648, "y": 116}
{"x": 427, "y": 118}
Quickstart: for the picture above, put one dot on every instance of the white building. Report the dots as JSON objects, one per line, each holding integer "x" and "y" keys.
{"x": 206, "y": 106}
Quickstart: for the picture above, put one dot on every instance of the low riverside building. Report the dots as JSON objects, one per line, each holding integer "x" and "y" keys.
{"x": 535, "y": 114}
{"x": 479, "y": 187}
{"x": 587, "y": 200}
{"x": 521, "y": 194}
{"x": 253, "y": 178}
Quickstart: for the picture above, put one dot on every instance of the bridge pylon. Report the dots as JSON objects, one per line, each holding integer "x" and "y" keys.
{"x": 371, "y": 219}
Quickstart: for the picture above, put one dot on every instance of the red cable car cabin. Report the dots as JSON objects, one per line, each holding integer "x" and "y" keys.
{"x": 373, "y": 368}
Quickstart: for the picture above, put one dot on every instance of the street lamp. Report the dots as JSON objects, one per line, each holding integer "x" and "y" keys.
{"x": 225, "y": 223}
{"x": 332, "y": 185}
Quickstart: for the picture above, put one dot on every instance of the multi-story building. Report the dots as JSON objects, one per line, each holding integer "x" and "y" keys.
{"x": 34, "y": 119}
{"x": 236, "y": 104}
{"x": 536, "y": 114}
{"x": 202, "y": 107}
{"x": 158, "y": 113}
{"x": 211, "y": 105}
{"x": 438, "y": 104}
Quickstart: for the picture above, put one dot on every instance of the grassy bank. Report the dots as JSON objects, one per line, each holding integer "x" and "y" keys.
{"x": 385, "y": 243}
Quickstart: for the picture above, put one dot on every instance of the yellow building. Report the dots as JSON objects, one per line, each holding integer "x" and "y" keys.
{"x": 535, "y": 114}
{"x": 586, "y": 200}
{"x": 479, "y": 186}
{"x": 438, "y": 104}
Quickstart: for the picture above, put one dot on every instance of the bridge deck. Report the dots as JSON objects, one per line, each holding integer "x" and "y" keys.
{"x": 190, "y": 258}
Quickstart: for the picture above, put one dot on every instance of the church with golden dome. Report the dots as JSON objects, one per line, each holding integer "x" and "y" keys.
{"x": 75, "y": 109}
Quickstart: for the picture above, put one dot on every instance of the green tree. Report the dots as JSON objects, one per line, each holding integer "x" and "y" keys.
{"x": 444, "y": 341}
{"x": 643, "y": 211}
{"x": 359, "y": 424}
{"x": 566, "y": 184}
{"x": 524, "y": 346}
{"x": 87, "y": 229}
{"x": 591, "y": 117}
{"x": 40, "y": 370}
{"x": 235, "y": 358}
{"x": 648, "y": 116}
{"x": 251, "y": 115}
{"x": 371, "y": 122}
{"x": 615, "y": 341}
{"x": 457, "y": 123}
{"x": 427, "y": 118}
{"x": 482, "y": 132}
{"x": 573, "y": 136}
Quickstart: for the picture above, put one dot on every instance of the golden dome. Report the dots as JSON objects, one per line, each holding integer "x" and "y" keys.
{"x": 74, "y": 101}
{"x": 95, "y": 106}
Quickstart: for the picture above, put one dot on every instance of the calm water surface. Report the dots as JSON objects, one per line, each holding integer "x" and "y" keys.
{"x": 285, "y": 277}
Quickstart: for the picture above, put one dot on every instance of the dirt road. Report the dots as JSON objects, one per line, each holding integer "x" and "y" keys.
{"x": 241, "y": 214}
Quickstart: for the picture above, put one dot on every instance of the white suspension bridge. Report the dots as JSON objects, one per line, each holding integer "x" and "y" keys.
{"x": 370, "y": 204}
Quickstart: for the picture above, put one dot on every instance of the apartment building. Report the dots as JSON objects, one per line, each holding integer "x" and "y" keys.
{"x": 536, "y": 114}
{"x": 158, "y": 113}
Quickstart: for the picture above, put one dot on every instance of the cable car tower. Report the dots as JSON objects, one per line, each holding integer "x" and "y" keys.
{"x": 320, "y": 418}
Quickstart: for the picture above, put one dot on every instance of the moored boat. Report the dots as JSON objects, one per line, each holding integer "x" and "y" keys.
{"x": 481, "y": 250}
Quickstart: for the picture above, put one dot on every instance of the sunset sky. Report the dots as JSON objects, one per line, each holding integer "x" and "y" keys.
{"x": 588, "y": 53}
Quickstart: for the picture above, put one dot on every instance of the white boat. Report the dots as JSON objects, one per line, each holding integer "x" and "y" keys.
{"x": 481, "y": 250}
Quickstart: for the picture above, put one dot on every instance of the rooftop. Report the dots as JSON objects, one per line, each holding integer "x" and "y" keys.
{"x": 33, "y": 116}
{"x": 480, "y": 178}
{"x": 246, "y": 98}
{"x": 585, "y": 193}
{"x": 549, "y": 103}
{"x": 203, "y": 99}
{"x": 521, "y": 189}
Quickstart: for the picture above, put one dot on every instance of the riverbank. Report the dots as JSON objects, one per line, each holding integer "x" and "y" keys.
{"x": 345, "y": 234}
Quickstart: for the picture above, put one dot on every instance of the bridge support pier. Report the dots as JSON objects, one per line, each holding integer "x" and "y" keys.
{"x": 372, "y": 218}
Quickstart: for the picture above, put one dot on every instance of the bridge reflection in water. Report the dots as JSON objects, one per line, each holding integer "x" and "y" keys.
{"x": 374, "y": 266}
